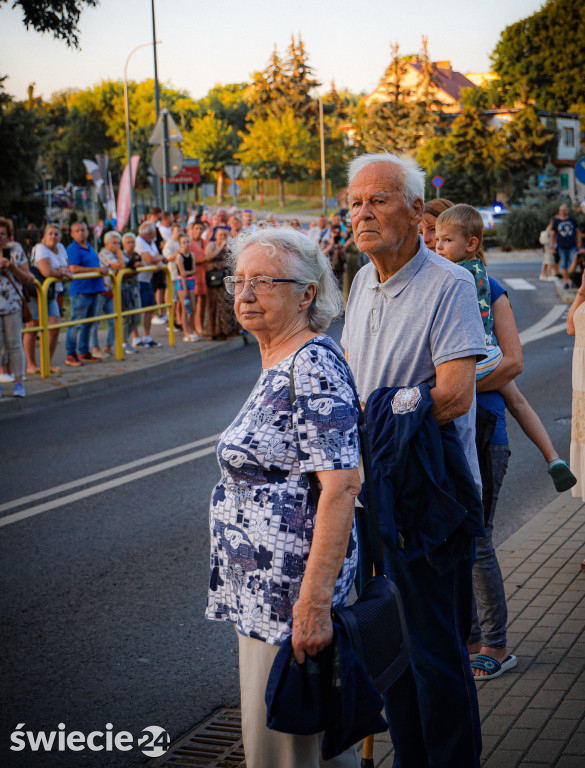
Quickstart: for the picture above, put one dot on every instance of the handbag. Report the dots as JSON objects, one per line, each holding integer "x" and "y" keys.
{"x": 375, "y": 622}
{"x": 214, "y": 278}
{"x": 27, "y": 315}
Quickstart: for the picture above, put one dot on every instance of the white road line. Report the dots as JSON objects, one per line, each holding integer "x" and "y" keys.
{"x": 519, "y": 284}
{"x": 544, "y": 326}
{"x": 106, "y": 473}
{"x": 95, "y": 489}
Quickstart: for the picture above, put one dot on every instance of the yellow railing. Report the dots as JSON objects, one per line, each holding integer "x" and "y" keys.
{"x": 43, "y": 327}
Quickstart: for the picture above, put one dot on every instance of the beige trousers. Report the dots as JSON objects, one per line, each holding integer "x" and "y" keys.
{"x": 265, "y": 748}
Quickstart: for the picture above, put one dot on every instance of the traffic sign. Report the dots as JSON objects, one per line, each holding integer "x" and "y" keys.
{"x": 233, "y": 171}
{"x": 208, "y": 190}
{"x": 234, "y": 189}
{"x": 192, "y": 161}
{"x": 437, "y": 182}
{"x": 580, "y": 169}
{"x": 188, "y": 174}
{"x": 175, "y": 160}
{"x": 173, "y": 132}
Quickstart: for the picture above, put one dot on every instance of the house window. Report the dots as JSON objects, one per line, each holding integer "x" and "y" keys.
{"x": 569, "y": 137}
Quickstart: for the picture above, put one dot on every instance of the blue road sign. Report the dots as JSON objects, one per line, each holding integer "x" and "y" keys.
{"x": 580, "y": 169}
{"x": 437, "y": 182}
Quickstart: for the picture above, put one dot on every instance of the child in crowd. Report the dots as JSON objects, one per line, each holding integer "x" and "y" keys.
{"x": 459, "y": 233}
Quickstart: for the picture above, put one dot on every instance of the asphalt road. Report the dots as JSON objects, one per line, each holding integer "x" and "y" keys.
{"x": 102, "y": 592}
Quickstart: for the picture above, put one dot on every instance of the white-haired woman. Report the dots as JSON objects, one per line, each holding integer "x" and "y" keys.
{"x": 277, "y": 558}
{"x": 111, "y": 257}
{"x": 130, "y": 293}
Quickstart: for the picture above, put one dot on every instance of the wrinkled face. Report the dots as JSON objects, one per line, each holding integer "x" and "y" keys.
{"x": 128, "y": 243}
{"x": 427, "y": 230}
{"x": 79, "y": 232}
{"x": 452, "y": 243}
{"x": 273, "y": 311}
{"x": 380, "y": 218}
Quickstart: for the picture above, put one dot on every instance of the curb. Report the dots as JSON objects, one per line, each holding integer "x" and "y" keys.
{"x": 11, "y": 405}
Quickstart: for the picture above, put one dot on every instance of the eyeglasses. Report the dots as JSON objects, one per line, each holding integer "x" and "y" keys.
{"x": 259, "y": 285}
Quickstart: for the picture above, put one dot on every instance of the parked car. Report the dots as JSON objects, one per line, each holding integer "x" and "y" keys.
{"x": 492, "y": 216}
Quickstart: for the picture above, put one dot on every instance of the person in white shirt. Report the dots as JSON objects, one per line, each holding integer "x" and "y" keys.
{"x": 146, "y": 247}
{"x": 170, "y": 250}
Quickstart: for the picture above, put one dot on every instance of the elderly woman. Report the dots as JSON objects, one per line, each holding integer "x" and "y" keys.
{"x": 130, "y": 293}
{"x": 14, "y": 273}
{"x": 49, "y": 257}
{"x": 278, "y": 561}
{"x": 221, "y": 322}
{"x": 112, "y": 258}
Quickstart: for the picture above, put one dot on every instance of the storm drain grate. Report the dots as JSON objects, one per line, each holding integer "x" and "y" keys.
{"x": 214, "y": 743}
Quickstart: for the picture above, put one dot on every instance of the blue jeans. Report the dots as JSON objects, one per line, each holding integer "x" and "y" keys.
{"x": 105, "y": 306}
{"x": 566, "y": 256}
{"x": 82, "y": 305}
{"x": 490, "y": 613}
{"x": 432, "y": 709}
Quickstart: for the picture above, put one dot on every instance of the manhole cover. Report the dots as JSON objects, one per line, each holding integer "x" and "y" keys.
{"x": 216, "y": 742}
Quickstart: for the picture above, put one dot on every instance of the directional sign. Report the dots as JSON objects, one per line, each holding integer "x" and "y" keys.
{"x": 188, "y": 174}
{"x": 192, "y": 161}
{"x": 234, "y": 189}
{"x": 233, "y": 171}
{"x": 437, "y": 182}
{"x": 173, "y": 133}
{"x": 175, "y": 160}
{"x": 580, "y": 169}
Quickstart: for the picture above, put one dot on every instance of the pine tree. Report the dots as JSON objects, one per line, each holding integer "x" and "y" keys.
{"x": 268, "y": 91}
{"x": 299, "y": 81}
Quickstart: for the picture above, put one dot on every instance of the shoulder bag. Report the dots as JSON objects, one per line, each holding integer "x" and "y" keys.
{"x": 375, "y": 622}
{"x": 27, "y": 315}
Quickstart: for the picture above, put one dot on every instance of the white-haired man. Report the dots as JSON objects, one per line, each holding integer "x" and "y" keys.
{"x": 412, "y": 318}
{"x": 151, "y": 256}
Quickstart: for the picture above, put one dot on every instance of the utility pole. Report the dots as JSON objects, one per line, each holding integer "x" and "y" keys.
{"x": 323, "y": 177}
{"x": 157, "y": 100}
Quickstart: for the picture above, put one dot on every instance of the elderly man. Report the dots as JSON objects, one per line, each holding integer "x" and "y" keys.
{"x": 84, "y": 295}
{"x": 151, "y": 256}
{"x": 412, "y": 318}
{"x": 565, "y": 240}
{"x": 321, "y": 233}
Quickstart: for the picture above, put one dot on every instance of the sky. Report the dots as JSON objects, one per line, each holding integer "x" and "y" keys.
{"x": 206, "y": 43}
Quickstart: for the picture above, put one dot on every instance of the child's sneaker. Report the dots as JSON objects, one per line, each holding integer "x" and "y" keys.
{"x": 562, "y": 476}
{"x": 18, "y": 390}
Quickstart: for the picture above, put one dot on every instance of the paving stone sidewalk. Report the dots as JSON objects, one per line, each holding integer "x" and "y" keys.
{"x": 533, "y": 716}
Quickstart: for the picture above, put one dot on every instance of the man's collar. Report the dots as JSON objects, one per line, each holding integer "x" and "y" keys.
{"x": 398, "y": 282}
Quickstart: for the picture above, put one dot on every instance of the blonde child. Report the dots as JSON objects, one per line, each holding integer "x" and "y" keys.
{"x": 459, "y": 233}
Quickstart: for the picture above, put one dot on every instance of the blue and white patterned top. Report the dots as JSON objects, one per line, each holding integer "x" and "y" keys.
{"x": 262, "y": 516}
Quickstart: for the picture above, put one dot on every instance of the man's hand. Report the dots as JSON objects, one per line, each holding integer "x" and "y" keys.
{"x": 312, "y": 628}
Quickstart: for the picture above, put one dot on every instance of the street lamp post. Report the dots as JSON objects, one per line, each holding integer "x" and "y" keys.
{"x": 323, "y": 171}
{"x": 127, "y": 117}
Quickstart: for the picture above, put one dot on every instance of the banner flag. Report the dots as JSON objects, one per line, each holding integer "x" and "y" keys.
{"x": 124, "y": 199}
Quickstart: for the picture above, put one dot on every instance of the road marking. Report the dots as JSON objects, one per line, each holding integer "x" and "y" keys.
{"x": 519, "y": 284}
{"x": 106, "y": 473}
{"x": 544, "y": 327}
{"x": 95, "y": 489}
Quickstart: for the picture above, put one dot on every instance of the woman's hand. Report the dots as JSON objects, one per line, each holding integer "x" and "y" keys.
{"x": 312, "y": 628}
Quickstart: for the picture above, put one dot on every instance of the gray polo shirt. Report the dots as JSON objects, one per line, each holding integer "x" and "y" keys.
{"x": 396, "y": 333}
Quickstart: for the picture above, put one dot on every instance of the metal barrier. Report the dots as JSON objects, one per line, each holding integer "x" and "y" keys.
{"x": 43, "y": 302}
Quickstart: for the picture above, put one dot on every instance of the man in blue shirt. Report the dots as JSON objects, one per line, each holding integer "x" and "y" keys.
{"x": 84, "y": 295}
{"x": 565, "y": 240}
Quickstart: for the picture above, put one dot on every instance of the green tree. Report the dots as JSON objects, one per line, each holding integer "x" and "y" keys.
{"x": 524, "y": 144}
{"x": 60, "y": 17}
{"x": 267, "y": 93}
{"x": 19, "y": 150}
{"x": 299, "y": 81}
{"x": 214, "y": 142}
{"x": 466, "y": 159}
{"x": 279, "y": 146}
{"x": 542, "y": 56}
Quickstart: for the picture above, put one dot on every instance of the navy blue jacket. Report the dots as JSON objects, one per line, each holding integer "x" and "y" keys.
{"x": 428, "y": 503}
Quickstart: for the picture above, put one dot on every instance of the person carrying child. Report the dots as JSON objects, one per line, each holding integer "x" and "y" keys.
{"x": 459, "y": 233}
